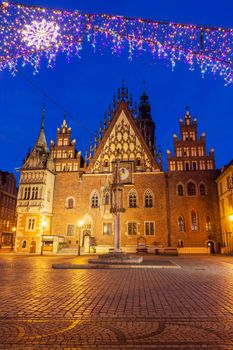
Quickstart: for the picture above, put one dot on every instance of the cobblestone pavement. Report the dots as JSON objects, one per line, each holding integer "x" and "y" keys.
{"x": 186, "y": 308}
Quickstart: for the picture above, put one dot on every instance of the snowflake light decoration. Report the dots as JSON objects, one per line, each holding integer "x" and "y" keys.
{"x": 40, "y": 35}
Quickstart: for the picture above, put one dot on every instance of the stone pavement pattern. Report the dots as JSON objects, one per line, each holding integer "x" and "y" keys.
{"x": 186, "y": 308}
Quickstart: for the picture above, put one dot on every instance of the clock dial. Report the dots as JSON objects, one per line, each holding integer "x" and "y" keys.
{"x": 124, "y": 173}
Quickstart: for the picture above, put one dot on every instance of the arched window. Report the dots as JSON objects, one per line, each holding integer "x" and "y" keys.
{"x": 106, "y": 198}
{"x": 191, "y": 189}
{"x": 105, "y": 163}
{"x": 180, "y": 190}
{"x": 181, "y": 224}
{"x": 34, "y": 192}
{"x": 27, "y": 192}
{"x": 208, "y": 224}
{"x": 94, "y": 200}
{"x": 194, "y": 223}
{"x": 132, "y": 199}
{"x": 148, "y": 199}
{"x": 70, "y": 203}
{"x": 202, "y": 190}
{"x": 24, "y": 244}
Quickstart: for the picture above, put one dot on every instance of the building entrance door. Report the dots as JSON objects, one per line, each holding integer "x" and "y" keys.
{"x": 33, "y": 247}
{"x": 211, "y": 246}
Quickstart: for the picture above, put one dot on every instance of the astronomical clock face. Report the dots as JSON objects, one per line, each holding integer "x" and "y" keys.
{"x": 126, "y": 172}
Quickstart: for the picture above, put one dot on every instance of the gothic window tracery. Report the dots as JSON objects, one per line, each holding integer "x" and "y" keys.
{"x": 181, "y": 224}
{"x": 132, "y": 199}
{"x": 94, "y": 200}
{"x": 194, "y": 223}
{"x": 180, "y": 190}
{"x": 148, "y": 199}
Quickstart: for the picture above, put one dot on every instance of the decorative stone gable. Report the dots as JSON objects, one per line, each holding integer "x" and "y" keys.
{"x": 126, "y": 140}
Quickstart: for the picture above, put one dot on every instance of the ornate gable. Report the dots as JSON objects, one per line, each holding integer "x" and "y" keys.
{"x": 123, "y": 139}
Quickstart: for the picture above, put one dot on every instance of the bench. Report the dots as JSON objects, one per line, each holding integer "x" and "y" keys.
{"x": 141, "y": 245}
{"x": 170, "y": 251}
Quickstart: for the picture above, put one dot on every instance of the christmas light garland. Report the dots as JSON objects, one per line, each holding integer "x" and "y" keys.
{"x": 29, "y": 33}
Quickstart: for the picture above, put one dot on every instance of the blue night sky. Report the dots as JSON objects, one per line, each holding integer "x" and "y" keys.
{"x": 85, "y": 87}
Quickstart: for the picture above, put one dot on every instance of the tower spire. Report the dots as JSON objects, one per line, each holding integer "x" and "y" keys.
{"x": 43, "y": 117}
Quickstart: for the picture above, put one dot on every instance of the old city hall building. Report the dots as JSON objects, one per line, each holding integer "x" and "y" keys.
{"x": 65, "y": 200}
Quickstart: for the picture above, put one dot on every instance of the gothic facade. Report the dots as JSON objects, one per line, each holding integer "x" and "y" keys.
{"x": 65, "y": 200}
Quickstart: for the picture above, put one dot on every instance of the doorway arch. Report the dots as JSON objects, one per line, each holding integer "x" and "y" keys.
{"x": 211, "y": 245}
{"x": 33, "y": 247}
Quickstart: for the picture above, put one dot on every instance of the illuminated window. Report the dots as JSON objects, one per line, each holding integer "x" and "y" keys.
{"x": 192, "y": 135}
{"x": 94, "y": 200}
{"x": 185, "y": 136}
{"x": 58, "y": 154}
{"x": 194, "y": 225}
{"x": 191, "y": 189}
{"x": 107, "y": 228}
{"x": 186, "y": 151}
{"x": 180, "y": 190}
{"x": 202, "y": 164}
{"x": 179, "y": 152}
{"x": 193, "y": 151}
{"x": 148, "y": 199}
{"x": 149, "y": 228}
{"x": 208, "y": 224}
{"x": 172, "y": 165}
{"x": 181, "y": 224}
{"x": 132, "y": 199}
{"x": 201, "y": 151}
{"x": 209, "y": 164}
{"x": 179, "y": 165}
{"x": 132, "y": 228}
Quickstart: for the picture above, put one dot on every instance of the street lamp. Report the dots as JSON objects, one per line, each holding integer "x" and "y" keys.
{"x": 231, "y": 217}
{"x": 12, "y": 242}
{"x": 80, "y": 225}
{"x": 43, "y": 225}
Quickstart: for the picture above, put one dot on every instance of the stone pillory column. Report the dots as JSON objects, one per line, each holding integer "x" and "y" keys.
{"x": 117, "y": 204}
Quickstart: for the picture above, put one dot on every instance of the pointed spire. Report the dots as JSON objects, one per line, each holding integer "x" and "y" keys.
{"x": 43, "y": 118}
{"x": 41, "y": 141}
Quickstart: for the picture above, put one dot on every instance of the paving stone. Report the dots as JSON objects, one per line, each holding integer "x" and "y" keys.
{"x": 186, "y": 308}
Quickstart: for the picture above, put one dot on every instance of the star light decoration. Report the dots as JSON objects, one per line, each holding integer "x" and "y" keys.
{"x": 30, "y": 33}
{"x": 40, "y": 34}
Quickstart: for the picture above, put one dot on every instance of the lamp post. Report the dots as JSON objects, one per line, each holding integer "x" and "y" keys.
{"x": 13, "y": 237}
{"x": 80, "y": 225}
{"x": 43, "y": 224}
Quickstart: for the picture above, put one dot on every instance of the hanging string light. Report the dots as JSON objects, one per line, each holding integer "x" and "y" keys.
{"x": 29, "y": 33}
